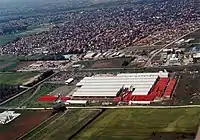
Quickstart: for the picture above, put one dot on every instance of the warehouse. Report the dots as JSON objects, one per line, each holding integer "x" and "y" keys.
{"x": 111, "y": 87}
{"x": 69, "y": 81}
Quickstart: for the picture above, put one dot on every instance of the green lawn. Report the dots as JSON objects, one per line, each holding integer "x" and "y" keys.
{"x": 62, "y": 127}
{"x": 43, "y": 90}
{"x": 8, "y": 62}
{"x": 6, "y": 39}
{"x": 16, "y": 77}
{"x": 19, "y": 100}
{"x": 29, "y": 99}
{"x": 139, "y": 124}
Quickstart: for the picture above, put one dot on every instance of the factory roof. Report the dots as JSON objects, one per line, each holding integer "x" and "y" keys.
{"x": 95, "y": 94}
{"x": 139, "y": 102}
{"x": 110, "y": 86}
{"x": 8, "y": 116}
{"x": 69, "y": 80}
{"x": 77, "y": 101}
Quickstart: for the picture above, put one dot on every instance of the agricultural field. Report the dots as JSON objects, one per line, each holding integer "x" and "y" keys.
{"x": 29, "y": 99}
{"x": 12, "y": 37}
{"x": 16, "y": 102}
{"x": 8, "y": 62}
{"x": 64, "y": 126}
{"x": 111, "y": 63}
{"x": 4, "y": 65}
{"x": 6, "y": 39}
{"x": 16, "y": 78}
{"x": 188, "y": 89}
{"x": 143, "y": 124}
{"x": 40, "y": 91}
{"x": 22, "y": 65}
{"x": 23, "y": 124}
{"x": 86, "y": 64}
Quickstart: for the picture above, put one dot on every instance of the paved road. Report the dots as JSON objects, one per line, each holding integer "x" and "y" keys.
{"x": 149, "y": 61}
{"x": 35, "y": 92}
{"x": 110, "y": 107}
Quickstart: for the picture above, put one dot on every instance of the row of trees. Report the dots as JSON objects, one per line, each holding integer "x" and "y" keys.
{"x": 39, "y": 78}
{"x": 7, "y": 91}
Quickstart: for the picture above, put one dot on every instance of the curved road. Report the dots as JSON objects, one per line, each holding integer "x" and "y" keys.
{"x": 27, "y": 89}
{"x": 149, "y": 61}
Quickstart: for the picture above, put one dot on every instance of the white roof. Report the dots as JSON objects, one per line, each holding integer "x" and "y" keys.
{"x": 139, "y": 102}
{"x": 8, "y": 116}
{"x": 120, "y": 84}
{"x": 100, "y": 94}
{"x": 77, "y": 101}
{"x": 197, "y": 55}
{"x": 69, "y": 80}
{"x": 100, "y": 86}
{"x": 98, "y": 90}
{"x": 140, "y": 92}
{"x": 109, "y": 86}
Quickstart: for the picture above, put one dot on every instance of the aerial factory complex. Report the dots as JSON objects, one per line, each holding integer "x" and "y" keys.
{"x": 99, "y": 69}
{"x": 128, "y": 87}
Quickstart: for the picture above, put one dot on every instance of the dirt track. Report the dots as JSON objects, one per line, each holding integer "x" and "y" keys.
{"x": 198, "y": 134}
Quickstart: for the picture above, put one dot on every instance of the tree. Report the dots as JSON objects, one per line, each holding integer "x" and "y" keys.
{"x": 125, "y": 63}
{"x": 144, "y": 53}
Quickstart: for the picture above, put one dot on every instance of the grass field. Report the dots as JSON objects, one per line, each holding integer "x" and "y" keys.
{"x": 16, "y": 78}
{"x": 6, "y": 39}
{"x": 11, "y": 37}
{"x": 8, "y": 62}
{"x": 29, "y": 99}
{"x": 45, "y": 89}
{"x": 140, "y": 124}
{"x": 20, "y": 99}
{"x": 63, "y": 127}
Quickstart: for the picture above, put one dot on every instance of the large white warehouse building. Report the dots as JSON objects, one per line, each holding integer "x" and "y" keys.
{"x": 109, "y": 87}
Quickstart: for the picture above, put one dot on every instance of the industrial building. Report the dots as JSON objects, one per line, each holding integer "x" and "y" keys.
{"x": 8, "y": 116}
{"x": 139, "y": 84}
{"x": 76, "y": 102}
{"x": 69, "y": 81}
{"x": 196, "y": 57}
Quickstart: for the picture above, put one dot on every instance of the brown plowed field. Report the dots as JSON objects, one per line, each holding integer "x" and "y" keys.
{"x": 188, "y": 89}
{"x": 23, "y": 124}
{"x": 4, "y": 65}
{"x": 111, "y": 63}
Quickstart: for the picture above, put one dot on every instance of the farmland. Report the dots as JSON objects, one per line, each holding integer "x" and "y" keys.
{"x": 141, "y": 124}
{"x": 21, "y": 125}
{"x": 111, "y": 63}
{"x": 41, "y": 91}
{"x": 64, "y": 126}
{"x": 11, "y": 37}
{"x": 29, "y": 98}
{"x": 20, "y": 99}
{"x": 16, "y": 78}
{"x": 188, "y": 90}
{"x": 7, "y": 62}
